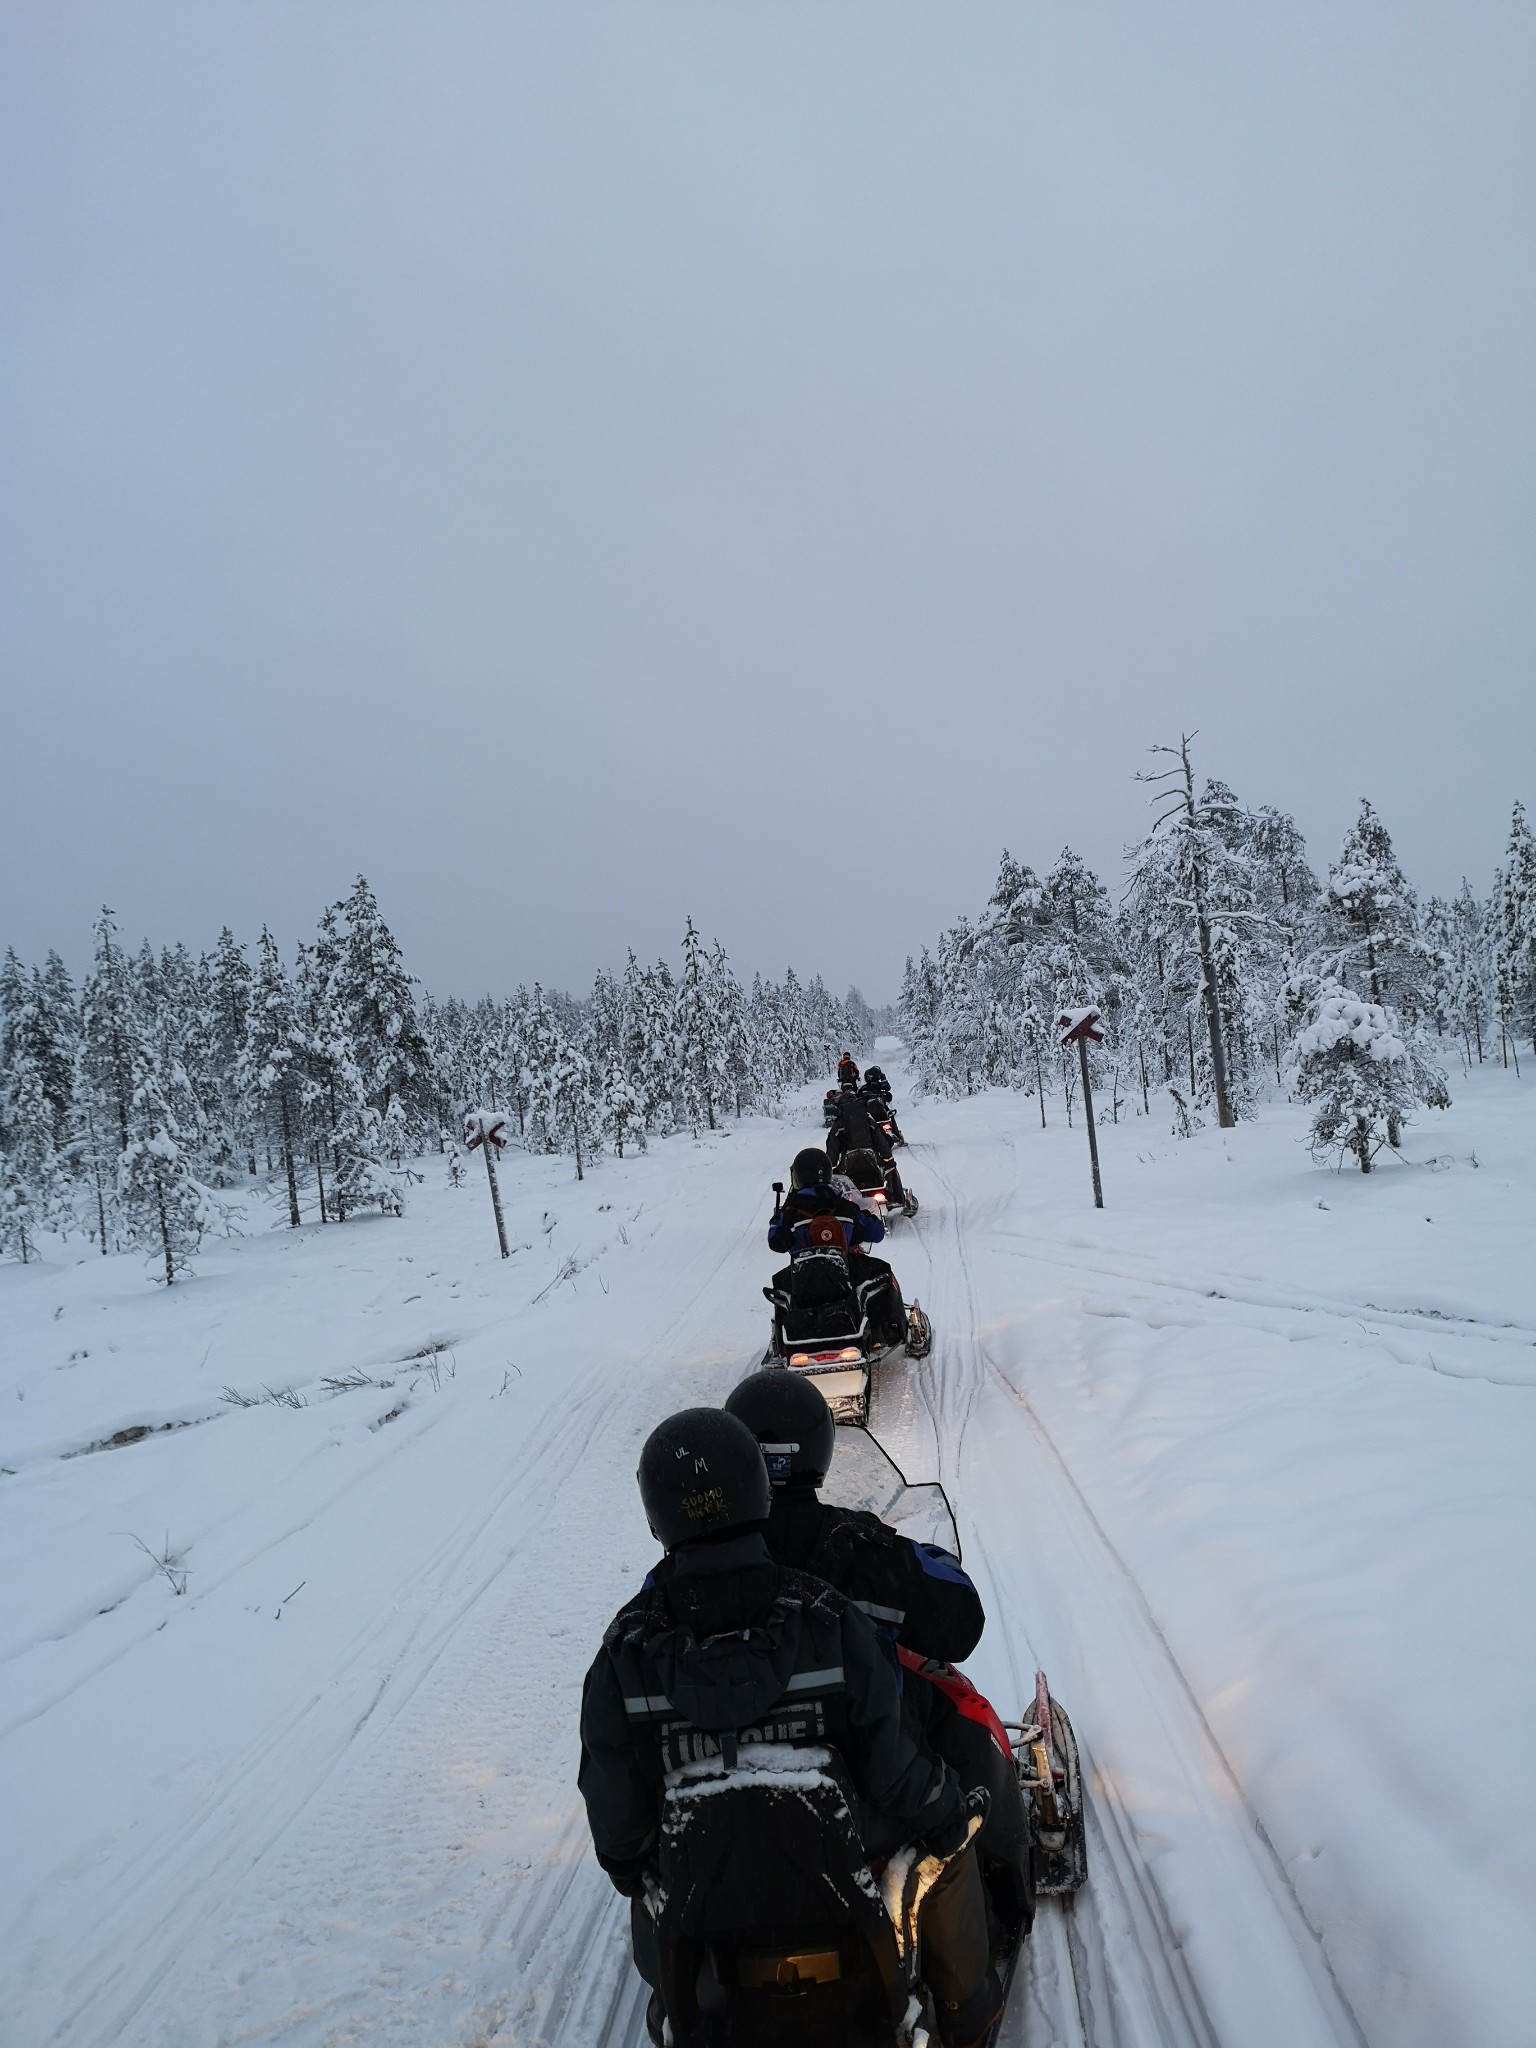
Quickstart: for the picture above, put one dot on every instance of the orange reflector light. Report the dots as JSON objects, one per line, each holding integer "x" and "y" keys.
{"x": 852, "y": 1351}
{"x": 799, "y": 1358}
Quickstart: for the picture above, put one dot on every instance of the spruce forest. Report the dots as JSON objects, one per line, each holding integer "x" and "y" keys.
{"x": 135, "y": 1108}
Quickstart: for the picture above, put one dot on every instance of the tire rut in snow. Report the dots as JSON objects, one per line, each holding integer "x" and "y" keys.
{"x": 1113, "y": 1969}
{"x": 355, "y": 1818}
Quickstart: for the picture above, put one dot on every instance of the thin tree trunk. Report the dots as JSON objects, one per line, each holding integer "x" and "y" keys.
{"x": 293, "y": 1189}
{"x": 1146, "y": 1105}
{"x": 1040, "y": 1085}
{"x": 1189, "y": 1034}
{"x": 101, "y": 1204}
{"x": 165, "y": 1232}
{"x": 1224, "y": 1114}
{"x": 576, "y": 1132}
{"x": 320, "y": 1182}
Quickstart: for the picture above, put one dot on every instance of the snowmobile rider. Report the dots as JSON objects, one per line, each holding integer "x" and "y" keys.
{"x": 877, "y": 1093}
{"x": 853, "y": 1128}
{"x": 718, "y": 1639}
{"x": 915, "y": 1593}
{"x": 847, "y": 1071}
{"x": 812, "y": 1194}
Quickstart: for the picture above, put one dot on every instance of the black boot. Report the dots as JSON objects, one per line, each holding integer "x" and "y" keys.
{"x": 967, "y": 2025}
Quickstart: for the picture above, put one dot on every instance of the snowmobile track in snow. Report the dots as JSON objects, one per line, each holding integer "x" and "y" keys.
{"x": 1111, "y": 1968}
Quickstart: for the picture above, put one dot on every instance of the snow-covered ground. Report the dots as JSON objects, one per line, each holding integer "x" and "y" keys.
{"x": 1246, "y": 1461}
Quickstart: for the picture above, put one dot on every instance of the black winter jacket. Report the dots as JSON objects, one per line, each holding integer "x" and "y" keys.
{"x": 852, "y": 1127}
{"x": 914, "y": 1591}
{"x": 724, "y": 1647}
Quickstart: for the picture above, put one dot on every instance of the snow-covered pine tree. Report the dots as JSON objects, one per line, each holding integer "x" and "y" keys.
{"x": 339, "y": 989}
{"x": 373, "y": 992}
{"x": 269, "y": 1072}
{"x": 623, "y": 1112}
{"x": 917, "y": 1009}
{"x": 697, "y": 1046}
{"x": 363, "y": 1141}
{"x": 957, "y": 1030}
{"x": 183, "y": 1026}
{"x": 56, "y": 1023}
{"x": 55, "y": 1015}
{"x": 15, "y": 999}
{"x": 1350, "y": 1061}
{"x": 1188, "y": 891}
{"x": 229, "y": 999}
{"x": 1373, "y": 919}
{"x": 578, "y": 1114}
{"x": 164, "y": 1210}
{"x": 109, "y": 1029}
{"x": 1470, "y": 974}
{"x": 732, "y": 1050}
{"x": 1372, "y": 934}
{"x": 1514, "y": 928}
{"x": 33, "y": 1191}
{"x": 650, "y": 1042}
{"x": 542, "y": 1061}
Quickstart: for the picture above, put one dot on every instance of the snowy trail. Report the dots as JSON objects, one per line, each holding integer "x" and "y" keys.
{"x": 413, "y": 1860}
{"x": 1188, "y": 1934}
{"x": 1183, "y": 1483}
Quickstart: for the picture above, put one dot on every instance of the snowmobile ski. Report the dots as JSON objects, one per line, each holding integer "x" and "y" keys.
{"x": 1045, "y": 1757}
{"x": 919, "y": 1331}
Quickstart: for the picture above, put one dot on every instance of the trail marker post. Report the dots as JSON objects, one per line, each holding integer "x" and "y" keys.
{"x": 487, "y": 1128}
{"x": 1078, "y": 1027}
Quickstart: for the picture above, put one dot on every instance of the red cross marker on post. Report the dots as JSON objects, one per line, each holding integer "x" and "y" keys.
{"x": 488, "y": 1128}
{"x": 1079, "y": 1028}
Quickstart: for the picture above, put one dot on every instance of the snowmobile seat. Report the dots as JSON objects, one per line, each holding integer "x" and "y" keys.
{"x": 770, "y": 1923}
{"x": 864, "y": 1170}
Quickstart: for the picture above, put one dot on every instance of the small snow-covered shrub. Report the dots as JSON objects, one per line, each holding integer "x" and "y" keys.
{"x": 1350, "y": 1058}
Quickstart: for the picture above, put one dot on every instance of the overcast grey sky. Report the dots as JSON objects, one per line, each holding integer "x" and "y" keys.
{"x": 585, "y": 464}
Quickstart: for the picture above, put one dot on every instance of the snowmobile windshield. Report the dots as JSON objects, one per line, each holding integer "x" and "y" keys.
{"x": 865, "y": 1475}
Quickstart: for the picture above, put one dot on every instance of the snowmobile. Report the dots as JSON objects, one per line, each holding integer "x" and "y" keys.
{"x": 837, "y": 1965}
{"x": 1043, "y": 1746}
{"x": 822, "y": 1325}
{"x": 879, "y": 1184}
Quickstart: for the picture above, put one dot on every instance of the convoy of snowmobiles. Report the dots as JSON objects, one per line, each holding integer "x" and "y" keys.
{"x": 760, "y": 1773}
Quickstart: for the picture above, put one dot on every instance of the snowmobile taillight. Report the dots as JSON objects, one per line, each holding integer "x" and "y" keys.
{"x": 879, "y": 1197}
{"x": 789, "y": 1973}
{"x": 799, "y": 1358}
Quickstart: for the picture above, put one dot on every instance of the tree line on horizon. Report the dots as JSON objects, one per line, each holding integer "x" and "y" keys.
{"x": 133, "y": 1108}
{"x": 1230, "y": 972}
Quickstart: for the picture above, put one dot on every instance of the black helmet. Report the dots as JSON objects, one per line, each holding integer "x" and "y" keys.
{"x": 700, "y": 1472}
{"x": 875, "y": 1074}
{"x": 792, "y": 1423}
{"x": 811, "y": 1169}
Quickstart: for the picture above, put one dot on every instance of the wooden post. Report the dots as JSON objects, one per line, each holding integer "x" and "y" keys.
{"x": 1093, "y": 1135}
{"x": 1078, "y": 1027}
{"x": 490, "y": 1174}
{"x": 488, "y": 1132}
